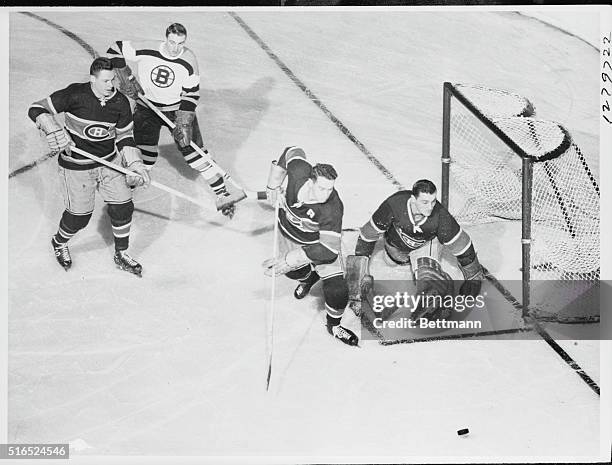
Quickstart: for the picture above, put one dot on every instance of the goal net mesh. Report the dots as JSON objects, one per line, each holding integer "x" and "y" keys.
{"x": 485, "y": 182}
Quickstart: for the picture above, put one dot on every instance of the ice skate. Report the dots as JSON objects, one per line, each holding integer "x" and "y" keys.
{"x": 127, "y": 263}
{"x": 345, "y": 335}
{"x": 62, "y": 254}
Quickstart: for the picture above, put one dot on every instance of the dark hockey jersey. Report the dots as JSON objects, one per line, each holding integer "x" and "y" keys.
{"x": 96, "y": 127}
{"x": 317, "y": 226}
{"x": 395, "y": 220}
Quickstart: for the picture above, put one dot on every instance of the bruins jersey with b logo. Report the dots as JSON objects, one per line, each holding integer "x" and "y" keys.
{"x": 167, "y": 81}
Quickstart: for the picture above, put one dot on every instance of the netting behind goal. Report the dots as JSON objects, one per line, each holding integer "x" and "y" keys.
{"x": 488, "y": 135}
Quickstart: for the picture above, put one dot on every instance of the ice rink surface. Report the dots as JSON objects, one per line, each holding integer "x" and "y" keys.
{"x": 174, "y": 363}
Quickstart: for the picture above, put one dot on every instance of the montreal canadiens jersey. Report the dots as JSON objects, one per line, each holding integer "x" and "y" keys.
{"x": 169, "y": 82}
{"x": 317, "y": 226}
{"x": 95, "y": 126}
{"x": 395, "y": 220}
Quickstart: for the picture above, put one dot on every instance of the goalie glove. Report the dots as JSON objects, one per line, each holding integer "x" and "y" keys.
{"x": 132, "y": 161}
{"x": 359, "y": 282}
{"x": 290, "y": 261}
{"x": 183, "y": 130}
{"x": 433, "y": 285}
{"x": 57, "y": 137}
{"x": 276, "y": 176}
{"x": 127, "y": 83}
{"x": 473, "y": 274}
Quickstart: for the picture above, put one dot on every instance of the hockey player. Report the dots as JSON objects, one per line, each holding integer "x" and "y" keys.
{"x": 310, "y": 222}
{"x": 98, "y": 121}
{"x": 169, "y": 77}
{"x": 414, "y": 224}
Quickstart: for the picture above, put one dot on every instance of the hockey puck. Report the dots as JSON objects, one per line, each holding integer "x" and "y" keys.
{"x": 463, "y": 432}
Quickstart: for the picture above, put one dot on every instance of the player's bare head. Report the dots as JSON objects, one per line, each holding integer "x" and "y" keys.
{"x": 323, "y": 177}
{"x": 101, "y": 75}
{"x": 323, "y": 170}
{"x": 424, "y": 193}
{"x": 176, "y": 28}
{"x": 99, "y": 64}
{"x": 423, "y": 186}
{"x": 176, "y": 35}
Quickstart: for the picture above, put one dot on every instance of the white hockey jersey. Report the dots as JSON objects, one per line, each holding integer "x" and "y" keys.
{"x": 169, "y": 82}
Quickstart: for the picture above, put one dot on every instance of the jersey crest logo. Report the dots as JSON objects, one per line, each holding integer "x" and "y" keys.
{"x": 411, "y": 242}
{"x": 310, "y": 214}
{"x": 162, "y": 76}
{"x": 97, "y": 132}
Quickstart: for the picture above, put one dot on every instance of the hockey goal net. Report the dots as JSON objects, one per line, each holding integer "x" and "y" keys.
{"x": 500, "y": 163}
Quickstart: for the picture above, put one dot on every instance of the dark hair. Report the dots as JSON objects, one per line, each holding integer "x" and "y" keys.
{"x": 99, "y": 64}
{"x": 176, "y": 28}
{"x": 423, "y": 185}
{"x": 324, "y": 170}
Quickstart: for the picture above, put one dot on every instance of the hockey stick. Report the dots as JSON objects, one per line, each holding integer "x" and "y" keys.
{"x": 270, "y": 334}
{"x": 253, "y": 195}
{"x": 123, "y": 170}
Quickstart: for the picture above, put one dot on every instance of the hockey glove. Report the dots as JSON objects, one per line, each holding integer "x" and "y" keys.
{"x": 184, "y": 127}
{"x": 226, "y": 204}
{"x": 473, "y": 274}
{"x": 128, "y": 84}
{"x": 132, "y": 161}
{"x": 433, "y": 285}
{"x": 290, "y": 261}
{"x": 57, "y": 137}
{"x": 276, "y": 176}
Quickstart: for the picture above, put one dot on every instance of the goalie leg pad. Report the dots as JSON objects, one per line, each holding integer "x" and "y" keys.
{"x": 359, "y": 282}
{"x": 356, "y": 271}
{"x": 473, "y": 274}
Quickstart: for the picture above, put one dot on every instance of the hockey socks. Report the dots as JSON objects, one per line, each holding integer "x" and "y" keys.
{"x": 70, "y": 224}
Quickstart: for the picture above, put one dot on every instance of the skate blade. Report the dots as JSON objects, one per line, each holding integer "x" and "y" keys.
{"x": 137, "y": 273}
{"x": 66, "y": 266}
